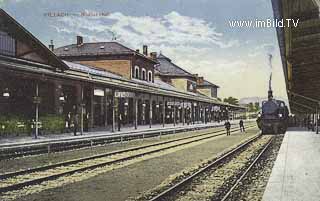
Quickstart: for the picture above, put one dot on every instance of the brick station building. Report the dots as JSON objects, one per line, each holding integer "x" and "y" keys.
{"x": 104, "y": 85}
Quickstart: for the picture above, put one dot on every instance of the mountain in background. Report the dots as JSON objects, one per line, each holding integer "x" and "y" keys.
{"x": 247, "y": 100}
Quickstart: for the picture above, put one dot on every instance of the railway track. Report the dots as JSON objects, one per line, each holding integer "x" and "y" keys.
{"x": 11, "y": 152}
{"x": 245, "y": 173}
{"x": 218, "y": 179}
{"x": 17, "y": 180}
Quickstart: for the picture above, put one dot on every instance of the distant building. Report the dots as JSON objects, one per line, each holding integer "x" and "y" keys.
{"x": 207, "y": 88}
{"x": 110, "y": 56}
{"x": 171, "y": 73}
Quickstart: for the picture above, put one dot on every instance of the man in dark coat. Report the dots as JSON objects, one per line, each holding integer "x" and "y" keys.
{"x": 241, "y": 126}
{"x": 75, "y": 124}
{"x": 75, "y": 120}
{"x": 227, "y": 125}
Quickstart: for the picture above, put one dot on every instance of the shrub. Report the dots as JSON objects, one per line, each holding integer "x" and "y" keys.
{"x": 52, "y": 124}
{"x": 12, "y": 125}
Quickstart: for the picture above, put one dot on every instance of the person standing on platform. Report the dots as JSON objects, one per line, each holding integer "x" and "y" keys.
{"x": 119, "y": 122}
{"x": 241, "y": 126}
{"x": 227, "y": 125}
{"x": 75, "y": 121}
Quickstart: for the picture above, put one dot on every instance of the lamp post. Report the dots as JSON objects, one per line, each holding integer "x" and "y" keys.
{"x": 143, "y": 113}
{"x": 126, "y": 107}
{"x": 37, "y": 101}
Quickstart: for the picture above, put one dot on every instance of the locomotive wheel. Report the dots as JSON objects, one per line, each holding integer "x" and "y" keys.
{"x": 275, "y": 130}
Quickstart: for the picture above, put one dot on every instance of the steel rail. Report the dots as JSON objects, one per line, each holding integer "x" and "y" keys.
{"x": 173, "y": 188}
{"x": 247, "y": 170}
{"x": 71, "y": 162}
{"x": 73, "y": 144}
{"x": 101, "y": 164}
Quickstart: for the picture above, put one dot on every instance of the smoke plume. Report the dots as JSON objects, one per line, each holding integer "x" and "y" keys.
{"x": 270, "y": 65}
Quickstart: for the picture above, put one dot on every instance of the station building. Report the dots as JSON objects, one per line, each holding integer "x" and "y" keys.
{"x": 99, "y": 86}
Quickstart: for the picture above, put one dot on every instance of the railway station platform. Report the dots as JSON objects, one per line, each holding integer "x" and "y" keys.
{"x": 296, "y": 173}
{"x": 30, "y": 140}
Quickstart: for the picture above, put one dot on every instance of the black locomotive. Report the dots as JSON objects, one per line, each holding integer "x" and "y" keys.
{"x": 274, "y": 116}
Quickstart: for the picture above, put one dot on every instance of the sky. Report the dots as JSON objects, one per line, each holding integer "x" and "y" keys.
{"x": 195, "y": 34}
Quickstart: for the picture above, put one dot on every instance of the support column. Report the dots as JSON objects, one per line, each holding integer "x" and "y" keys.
{"x": 150, "y": 111}
{"x": 37, "y": 111}
{"x": 113, "y": 111}
{"x": 136, "y": 113}
{"x": 193, "y": 112}
{"x": 183, "y": 113}
{"x": 81, "y": 111}
{"x": 174, "y": 112}
{"x": 204, "y": 115}
{"x": 91, "y": 107}
{"x": 106, "y": 109}
{"x": 163, "y": 111}
{"x": 198, "y": 118}
{"x": 78, "y": 92}
{"x": 317, "y": 130}
{"x": 119, "y": 114}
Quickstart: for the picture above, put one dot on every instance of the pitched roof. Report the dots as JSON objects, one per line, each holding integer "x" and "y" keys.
{"x": 21, "y": 32}
{"x": 166, "y": 67}
{"x": 91, "y": 70}
{"x": 207, "y": 83}
{"x": 103, "y": 73}
{"x": 96, "y": 48}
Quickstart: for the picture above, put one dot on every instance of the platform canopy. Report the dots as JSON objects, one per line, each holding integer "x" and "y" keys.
{"x": 300, "y": 52}
{"x": 19, "y": 44}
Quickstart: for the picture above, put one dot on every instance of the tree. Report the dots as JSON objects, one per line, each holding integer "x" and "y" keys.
{"x": 231, "y": 100}
{"x": 257, "y": 106}
{"x": 253, "y": 107}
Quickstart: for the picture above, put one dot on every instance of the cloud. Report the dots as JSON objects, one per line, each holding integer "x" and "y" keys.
{"x": 193, "y": 43}
{"x": 172, "y": 29}
{"x": 262, "y": 50}
{"x": 2, "y": 3}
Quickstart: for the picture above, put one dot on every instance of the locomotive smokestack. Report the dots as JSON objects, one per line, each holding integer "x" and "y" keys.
{"x": 270, "y": 95}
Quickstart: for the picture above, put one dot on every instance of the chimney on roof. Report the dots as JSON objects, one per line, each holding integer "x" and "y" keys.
{"x": 79, "y": 40}
{"x": 153, "y": 55}
{"x": 51, "y": 46}
{"x": 145, "y": 50}
{"x": 137, "y": 50}
{"x": 200, "y": 80}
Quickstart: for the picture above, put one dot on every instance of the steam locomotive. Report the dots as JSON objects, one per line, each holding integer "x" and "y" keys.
{"x": 274, "y": 116}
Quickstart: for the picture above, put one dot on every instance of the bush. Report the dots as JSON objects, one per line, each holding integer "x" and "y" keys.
{"x": 52, "y": 124}
{"x": 13, "y": 125}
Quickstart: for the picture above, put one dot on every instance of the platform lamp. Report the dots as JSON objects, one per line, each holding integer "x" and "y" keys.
{"x": 62, "y": 98}
{"x": 6, "y": 93}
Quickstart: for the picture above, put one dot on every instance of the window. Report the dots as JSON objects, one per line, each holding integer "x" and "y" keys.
{"x": 143, "y": 74}
{"x": 7, "y": 44}
{"x": 149, "y": 76}
{"x": 191, "y": 86}
{"x": 136, "y": 72}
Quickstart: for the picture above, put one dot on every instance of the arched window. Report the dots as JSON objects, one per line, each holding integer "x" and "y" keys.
{"x": 136, "y": 72}
{"x": 143, "y": 74}
{"x": 149, "y": 76}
